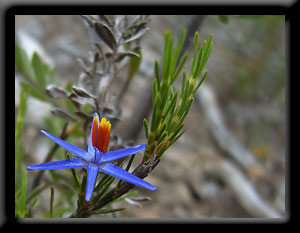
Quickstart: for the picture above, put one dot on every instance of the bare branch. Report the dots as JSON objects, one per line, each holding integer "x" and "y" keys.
{"x": 243, "y": 190}
{"x": 225, "y": 140}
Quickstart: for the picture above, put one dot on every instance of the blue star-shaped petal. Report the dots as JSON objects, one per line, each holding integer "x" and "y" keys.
{"x": 96, "y": 158}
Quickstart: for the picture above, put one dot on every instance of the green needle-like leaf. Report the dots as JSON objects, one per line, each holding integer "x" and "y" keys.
{"x": 180, "y": 67}
{"x": 102, "y": 182}
{"x": 168, "y": 115}
{"x": 82, "y": 190}
{"x": 130, "y": 162}
{"x": 156, "y": 70}
{"x": 19, "y": 149}
{"x": 33, "y": 203}
{"x": 36, "y": 191}
{"x": 201, "y": 81}
{"x": 195, "y": 51}
{"x": 175, "y": 56}
{"x": 127, "y": 195}
{"x": 154, "y": 90}
{"x": 104, "y": 188}
{"x": 146, "y": 127}
{"x": 51, "y": 201}
{"x": 106, "y": 211}
{"x": 167, "y": 51}
{"x": 83, "y": 184}
{"x": 74, "y": 173}
{"x": 23, "y": 191}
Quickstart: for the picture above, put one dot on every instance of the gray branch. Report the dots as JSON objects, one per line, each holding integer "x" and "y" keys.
{"x": 225, "y": 140}
{"x": 242, "y": 189}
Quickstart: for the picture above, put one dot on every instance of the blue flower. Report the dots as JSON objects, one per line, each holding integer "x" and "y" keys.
{"x": 96, "y": 158}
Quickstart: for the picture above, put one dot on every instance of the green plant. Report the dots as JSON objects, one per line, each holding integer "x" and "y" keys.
{"x": 168, "y": 112}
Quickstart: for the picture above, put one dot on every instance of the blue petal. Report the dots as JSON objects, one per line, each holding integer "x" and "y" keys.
{"x": 91, "y": 149}
{"x": 67, "y": 163}
{"x": 73, "y": 149}
{"x": 112, "y": 155}
{"x": 92, "y": 172}
{"x": 118, "y": 172}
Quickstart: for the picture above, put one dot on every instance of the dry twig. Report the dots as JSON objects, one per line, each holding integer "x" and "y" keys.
{"x": 243, "y": 190}
{"x": 225, "y": 140}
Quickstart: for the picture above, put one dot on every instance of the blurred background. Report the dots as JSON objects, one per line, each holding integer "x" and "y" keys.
{"x": 230, "y": 162}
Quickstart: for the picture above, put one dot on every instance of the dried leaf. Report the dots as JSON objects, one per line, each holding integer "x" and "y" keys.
{"x": 138, "y": 27}
{"x": 136, "y": 36}
{"x": 108, "y": 111}
{"x": 82, "y": 93}
{"x": 105, "y": 18}
{"x": 96, "y": 57}
{"x": 127, "y": 195}
{"x": 134, "y": 203}
{"x": 141, "y": 198}
{"x": 63, "y": 114}
{"x": 121, "y": 56}
{"x": 76, "y": 103}
{"x": 87, "y": 19}
{"x": 83, "y": 115}
{"x": 107, "y": 55}
{"x": 56, "y": 92}
{"x": 106, "y": 34}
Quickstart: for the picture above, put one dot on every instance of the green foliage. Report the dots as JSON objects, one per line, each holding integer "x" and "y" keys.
{"x": 58, "y": 213}
{"x": 20, "y": 197}
{"x": 57, "y": 210}
{"x": 134, "y": 63}
{"x": 168, "y": 112}
{"x": 20, "y": 173}
{"x": 223, "y": 18}
{"x": 34, "y": 92}
{"x": 23, "y": 203}
{"x": 74, "y": 173}
{"x": 127, "y": 195}
{"x": 51, "y": 201}
{"x": 81, "y": 193}
{"x": 19, "y": 149}
{"x": 36, "y": 192}
{"x": 103, "y": 187}
{"x": 22, "y": 61}
{"x": 105, "y": 209}
{"x": 35, "y": 71}
{"x": 40, "y": 70}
